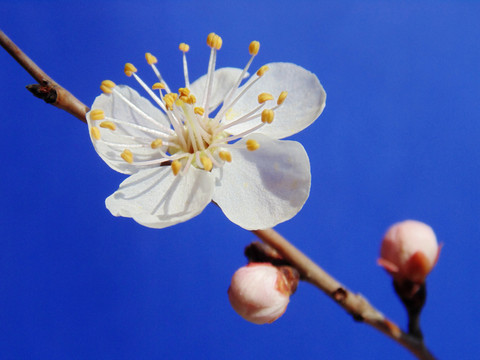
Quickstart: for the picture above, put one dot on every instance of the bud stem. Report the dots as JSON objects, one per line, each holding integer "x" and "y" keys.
{"x": 413, "y": 297}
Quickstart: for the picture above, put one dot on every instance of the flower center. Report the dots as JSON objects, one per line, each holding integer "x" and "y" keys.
{"x": 193, "y": 137}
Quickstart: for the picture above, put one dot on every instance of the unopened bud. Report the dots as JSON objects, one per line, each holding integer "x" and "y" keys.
{"x": 409, "y": 251}
{"x": 260, "y": 292}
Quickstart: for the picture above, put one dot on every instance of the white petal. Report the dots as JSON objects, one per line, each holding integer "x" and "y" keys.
{"x": 260, "y": 189}
{"x": 127, "y": 137}
{"x": 223, "y": 81}
{"x": 156, "y": 198}
{"x": 303, "y": 105}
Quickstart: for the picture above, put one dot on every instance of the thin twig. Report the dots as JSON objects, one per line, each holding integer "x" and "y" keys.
{"x": 46, "y": 89}
{"x": 354, "y": 304}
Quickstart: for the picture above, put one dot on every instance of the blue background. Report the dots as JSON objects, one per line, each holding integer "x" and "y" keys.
{"x": 399, "y": 139}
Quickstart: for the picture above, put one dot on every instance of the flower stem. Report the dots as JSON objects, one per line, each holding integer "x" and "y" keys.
{"x": 354, "y": 304}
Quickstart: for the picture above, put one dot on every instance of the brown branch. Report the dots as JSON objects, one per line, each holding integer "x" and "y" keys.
{"x": 46, "y": 89}
{"x": 354, "y": 304}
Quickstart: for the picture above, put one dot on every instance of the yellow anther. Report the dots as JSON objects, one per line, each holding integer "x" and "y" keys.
{"x": 158, "y": 86}
{"x": 184, "y": 91}
{"x": 198, "y": 110}
{"x": 282, "y": 97}
{"x": 263, "y": 97}
{"x": 108, "y": 125}
{"x": 184, "y": 47}
{"x": 210, "y": 38}
{"x": 127, "y": 156}
{"x": 218, "y": 43}
{"x": 262, "y": 70}
{"x": 206, "y": 162}
{"x": 179, "y": 102}
{"x": 129, "y": 69}
{"x": 95, "y": 132}
{"x": 225, "y": 156}
{"x": 267, "y": 116}
{"x": 170, "y": 100}
{"x": 97, "y": 114}
{"x": 150, "y": 59}
{"x": 254, "y": 47}
{"x": 191, "y": 99}
{"x": 252, "y": 145}
{"x": 156, "y": 143}
{"x": 176, "y": 166}
{"x": 214, "y": 41}
{"x": 106, "y": 86}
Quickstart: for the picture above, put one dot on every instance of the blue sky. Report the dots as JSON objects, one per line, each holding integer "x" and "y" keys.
{"x": 398, "y": 140}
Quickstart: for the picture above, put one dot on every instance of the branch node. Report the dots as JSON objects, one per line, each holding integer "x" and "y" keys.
{"x": 46, "y": 92}
{"x": 339, "y": 295}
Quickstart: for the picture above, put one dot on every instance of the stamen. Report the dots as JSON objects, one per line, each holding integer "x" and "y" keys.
{"x": 139, "y": 127}
{"x": 155, "y": 70}
{"x": 212, "y": 159}
{"x": 187, "y": 165}
{"x": 184, "y": 47}
{"x": 225, "y": 156}
{"x": 165, "y": 130}
{"x": 184, "y": 91}
{"x": 97, "y": 114}
{"x": 214, "y": 41}
{"x": 198, "y": 110}
{"x": 149, "y": 91}
{"x": 127, "y": 156}
{"x": 107, "y": 86}
{"x": 210, "y": 39}
{"x": 158, "y": 86}
{"x": 129, "y": 69}
{"x": 253, "y": 48}
{"x": 108, "y": 125}
{"x": 95, "y": 132}
{"x": 267, "y": 116}
{"x": 239, "y": 136}
{"x": 191, "y": 99}
{"x": 247, "y": 117}
{"x": 124, "y": 145}
{"x": 156, "y": 143}
{"x": 206, "y": 162}
{"x": 263, "y": 97}
{"x": 227, "y": 104}
{"x": 164, "y": 159}
{"x": 252, "y": 145}
{"x": 282, "y": 97}
{"x": 150, "y": 59}
{"x": 176, "y": 166}
{"x": 262, "y": 70}
{"x": 170, "y": 100}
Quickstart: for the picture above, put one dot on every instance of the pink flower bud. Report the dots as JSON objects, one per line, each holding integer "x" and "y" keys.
{"x": 409, "y": 251}
{"x": 260, "y": 292}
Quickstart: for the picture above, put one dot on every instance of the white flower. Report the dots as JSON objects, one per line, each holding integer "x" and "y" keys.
{"x": 190, "y": 151}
